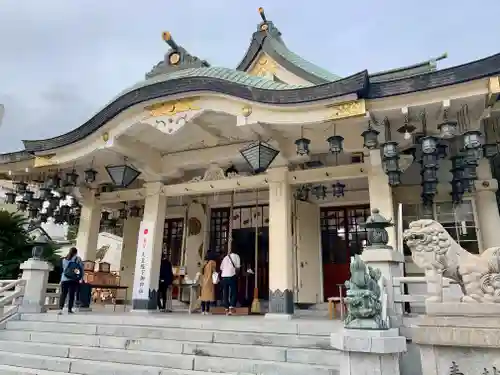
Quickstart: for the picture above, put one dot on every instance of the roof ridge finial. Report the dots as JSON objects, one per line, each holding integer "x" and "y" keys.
{"x": 262, "y": 14}
{"x": 167, "y": 37}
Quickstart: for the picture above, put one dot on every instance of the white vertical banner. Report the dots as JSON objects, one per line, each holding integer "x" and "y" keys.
{"x": 400, "y": 230}
{"x": 143, "y": 262}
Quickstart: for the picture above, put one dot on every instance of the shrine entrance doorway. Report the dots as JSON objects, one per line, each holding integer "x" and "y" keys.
{"x": 246, "y": 221}
{"x": 341, "y": 237}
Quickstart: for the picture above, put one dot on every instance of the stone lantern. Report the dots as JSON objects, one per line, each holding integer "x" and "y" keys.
{"x": 376, "y": 226}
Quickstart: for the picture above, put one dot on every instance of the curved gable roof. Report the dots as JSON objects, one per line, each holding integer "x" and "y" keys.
{"x": 268, "y": 39}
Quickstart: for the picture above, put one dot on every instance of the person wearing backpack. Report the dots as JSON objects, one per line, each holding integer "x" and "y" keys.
{"x": 230, "y": 269}
{"x": 72, "y": 274}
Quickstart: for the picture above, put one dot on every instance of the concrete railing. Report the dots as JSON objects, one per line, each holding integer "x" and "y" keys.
{"x": 11, "y": 293}
{"x": 418, "y": 291}
{"x": 52, "y": 296}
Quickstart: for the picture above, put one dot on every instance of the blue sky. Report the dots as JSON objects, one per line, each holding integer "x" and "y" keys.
{"x": 63, "y": 60}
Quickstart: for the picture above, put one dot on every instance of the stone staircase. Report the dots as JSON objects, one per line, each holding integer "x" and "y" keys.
{"x": 165, "y": 344}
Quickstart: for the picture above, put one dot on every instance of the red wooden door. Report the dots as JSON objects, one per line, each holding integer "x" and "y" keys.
{"x": 341, "y": 238}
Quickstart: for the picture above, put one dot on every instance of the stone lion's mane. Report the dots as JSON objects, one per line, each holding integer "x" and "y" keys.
{"x": 433, "y": 249}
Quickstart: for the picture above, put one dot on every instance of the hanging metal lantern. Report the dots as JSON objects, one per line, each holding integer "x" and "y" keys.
{"x": 58, "y": 218}
{"x": 390, "y": 149}
{"x": 22, "y": 205}
{"x": 472, "y": 139}
{"x": 64, "y": 210}
{"x": 36, "y": 203}
{"x": 72, "y": 219}
{"x": 90, "y": 175}
{"x": 28, "y": 195}
{"x": 10, "y": 197}
{"x": 490, "y": 150}
{"x": 391, "y": 168}
{"x": 457, "y": 190}
{"x": 448, "y": 129}
{"x": 33, "y": 212}
{"x": 429, "y": 160}
{"x": 122, "y": 175}
{"x": 71, "y": 178}
{"x": 259, "y": 156}
{"x": 457, "y": 162}
{"x": 336, "y": 144}
{"x": 427, "y": 199}
{"x": 394, "y": 178}
{"x": 429, "y": 175}
{"x": 45, "y": 193}
{"x": 338, "y": 189}
{"x": 54, "y": 202}
{"x": 122, "y": 213}
{"x": 49, "y": 211}
{"x": 134, "y": 211}
{"x": 319, "y": 191}
{"x": 105, "y": 216}
{"x": 370, "y": 138}
{"x": 442, "y": 151}
{"x": 20, "y": 187}
{"x": 54, "y": 182}
{"x": 43, "y": 217}
{"x": 472, "y": 156}
{"x": 303, "y": 146}
{"x": 429, "y": 145}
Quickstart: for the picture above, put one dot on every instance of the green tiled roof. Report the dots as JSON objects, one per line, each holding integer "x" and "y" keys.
{"x": 300, "y": 62}
{"x": 227, "y": 74}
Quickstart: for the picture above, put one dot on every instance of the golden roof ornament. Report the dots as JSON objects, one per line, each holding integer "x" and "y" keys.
{"x": 175, "y": 59}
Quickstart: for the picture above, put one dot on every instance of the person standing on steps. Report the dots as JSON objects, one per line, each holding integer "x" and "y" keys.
{"x": 72, "y": 275}
{"x": 230, "y": 269}
{"x": 209, "y": 277}
{"x": 166, "y": 280}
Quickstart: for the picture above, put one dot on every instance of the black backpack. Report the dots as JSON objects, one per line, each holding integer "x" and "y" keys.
{"x": 73, "y": 271}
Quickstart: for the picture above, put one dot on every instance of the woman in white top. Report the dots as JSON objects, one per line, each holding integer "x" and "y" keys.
{"x": 230, "y": 268}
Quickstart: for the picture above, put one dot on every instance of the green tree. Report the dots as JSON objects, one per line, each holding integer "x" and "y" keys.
{"x": 16, "y": 245}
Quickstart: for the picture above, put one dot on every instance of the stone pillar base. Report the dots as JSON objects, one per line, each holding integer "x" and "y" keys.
{"x": 462, "y": 335}
{"x": 281, "y": 302}
{"x": 36, "y": 275}
{"x": 369, "y": 352}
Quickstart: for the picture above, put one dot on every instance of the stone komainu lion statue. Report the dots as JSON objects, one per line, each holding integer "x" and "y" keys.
{"x": 433, "y": 249}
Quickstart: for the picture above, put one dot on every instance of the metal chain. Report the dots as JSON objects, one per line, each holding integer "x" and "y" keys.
{"x": 230, "y": 224}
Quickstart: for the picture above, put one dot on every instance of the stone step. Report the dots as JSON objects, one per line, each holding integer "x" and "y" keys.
{"x": 254, "y": 324}
{"x": 257, "y": 352}
{"x": 15, "y": 370}
{"x": 92, "y": 331}
{"x": 90, "y": 361}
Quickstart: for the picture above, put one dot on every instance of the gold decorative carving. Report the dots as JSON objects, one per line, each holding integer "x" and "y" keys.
{"x": 105, "y": 137}
{"x": 493, "y": 90}
{"x": 172, "y": 108}
{"x": 246, "y": 111}
{"x": 174, "y": 58}
{"x": 43, "y": 161}
{"x": 263, "y": 66}
{"x": 494, "y": 85}
{"x": 351, "y": 108}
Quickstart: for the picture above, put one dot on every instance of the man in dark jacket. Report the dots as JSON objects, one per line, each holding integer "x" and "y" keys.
{"x": 166, "y": 280}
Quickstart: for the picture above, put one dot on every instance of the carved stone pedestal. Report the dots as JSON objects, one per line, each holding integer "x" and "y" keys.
{"x": 36, "y": 274}
{"x": 369, "y": 352}
{"x": 464, "y": 336}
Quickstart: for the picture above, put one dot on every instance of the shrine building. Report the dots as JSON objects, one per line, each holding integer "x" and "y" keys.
{"x": 276, "y": 158}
